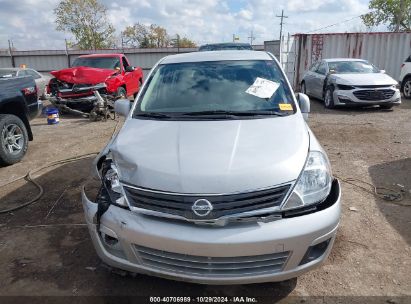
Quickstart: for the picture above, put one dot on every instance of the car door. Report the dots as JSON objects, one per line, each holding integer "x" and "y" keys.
{"x": 309, "y": 78}
{"x": 319, "y": 78}
{"x": 129, "y": 78}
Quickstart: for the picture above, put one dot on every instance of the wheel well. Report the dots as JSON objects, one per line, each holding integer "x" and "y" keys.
{"x": 19, "y": 111}
{"x": 406, "y": 77}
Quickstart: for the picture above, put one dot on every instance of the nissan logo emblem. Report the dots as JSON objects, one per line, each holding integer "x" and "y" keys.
{"x": 202, "y": 207}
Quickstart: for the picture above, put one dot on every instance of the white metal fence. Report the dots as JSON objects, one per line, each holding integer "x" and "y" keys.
{"x": 296, "y": 54}
{"x": 48, "y": 60}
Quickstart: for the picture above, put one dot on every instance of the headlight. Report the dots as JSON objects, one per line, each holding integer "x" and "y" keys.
{"x": 314, "y": 183}
{"x": 111, "y": 183}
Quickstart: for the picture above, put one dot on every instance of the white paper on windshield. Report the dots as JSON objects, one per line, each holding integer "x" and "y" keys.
{"x": 263, "y": 88}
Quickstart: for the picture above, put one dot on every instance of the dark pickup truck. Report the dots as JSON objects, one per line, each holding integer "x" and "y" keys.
{"x": 18, "y": 105}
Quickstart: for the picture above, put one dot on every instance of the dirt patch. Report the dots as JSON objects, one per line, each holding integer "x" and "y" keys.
{"x": 371, "y": 255}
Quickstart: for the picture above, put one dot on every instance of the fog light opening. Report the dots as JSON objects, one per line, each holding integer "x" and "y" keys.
{"x": 109, "y": 240}
{"x": 344, "y": 99}
{"x": 112, "y": 245}
{"x": 314, "y": 252}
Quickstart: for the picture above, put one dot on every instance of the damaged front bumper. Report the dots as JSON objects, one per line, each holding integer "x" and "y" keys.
{"x": 233, "y": 254}
{"x": 80, "y": 104}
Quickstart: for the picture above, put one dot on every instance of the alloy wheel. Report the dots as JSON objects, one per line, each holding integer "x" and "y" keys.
{"x": 12, "y": 139}
{"x": 327, "y": 99}
{"x": 407, "y": 89}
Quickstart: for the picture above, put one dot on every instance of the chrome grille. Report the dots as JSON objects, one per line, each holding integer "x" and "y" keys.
{"x": 212, "y": 266}
{"x": 373, "y": 95}
{"x": 223, "y": 205}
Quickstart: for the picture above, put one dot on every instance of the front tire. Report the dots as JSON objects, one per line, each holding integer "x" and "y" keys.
{"x": 121, "y": 93}
{"x": 406, "y": 87}
{"x": 13, "y": 139}
{"x": 329, "y": 98}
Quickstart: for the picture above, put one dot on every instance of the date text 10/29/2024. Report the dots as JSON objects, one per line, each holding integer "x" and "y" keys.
{"x": 203, "y": 300}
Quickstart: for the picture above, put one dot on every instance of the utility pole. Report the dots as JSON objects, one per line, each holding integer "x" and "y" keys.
{"x": 281, "y": 23}
{"x": 252, "y": 38}
{"x": 235, "y": 38}
{"x": 122, "y": 42}
{"x": 11, "y": 54}
{"x": 67, "y": 53}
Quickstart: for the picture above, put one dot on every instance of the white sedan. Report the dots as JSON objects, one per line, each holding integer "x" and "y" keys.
{"x": 343, "y": 81}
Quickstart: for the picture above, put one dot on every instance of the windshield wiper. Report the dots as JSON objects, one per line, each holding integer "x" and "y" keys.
{"x": 152, "y": 115}
{"x": 234, "y": 113}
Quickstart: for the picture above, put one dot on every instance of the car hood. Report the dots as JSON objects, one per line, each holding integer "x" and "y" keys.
{"x": 364, "y": 79}
{"x": 80, "y": 75}
{"x": 223, "y": 156}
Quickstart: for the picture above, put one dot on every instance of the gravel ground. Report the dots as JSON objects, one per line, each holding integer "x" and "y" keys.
{"x": 371, "y": 255}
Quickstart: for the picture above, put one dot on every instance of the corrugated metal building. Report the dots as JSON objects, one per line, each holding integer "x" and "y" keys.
{"x": 385, "y": 50}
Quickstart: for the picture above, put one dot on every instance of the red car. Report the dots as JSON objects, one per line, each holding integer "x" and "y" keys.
{"x": 72, "y": 86}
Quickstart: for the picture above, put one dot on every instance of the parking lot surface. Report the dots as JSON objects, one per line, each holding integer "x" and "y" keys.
{"x": 45, "y": 249}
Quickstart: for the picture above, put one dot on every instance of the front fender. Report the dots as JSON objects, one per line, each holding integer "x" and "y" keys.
{"x": 113, "y": 83}
{"x": 139, "y": 72}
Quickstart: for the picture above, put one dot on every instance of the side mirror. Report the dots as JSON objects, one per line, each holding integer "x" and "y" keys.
{"x": 122, "y": 107}
{"x": 382, "y": 71}
{"x": 129, "y": 68}
{"x": 304, "y": 103}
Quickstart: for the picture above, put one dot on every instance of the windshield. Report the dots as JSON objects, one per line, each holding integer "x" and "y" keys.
{"x": 342, "y": 67}
{"x": 220, "y": 86}
{"x": 8, "y": 73}
{"x": 110, "y": 63}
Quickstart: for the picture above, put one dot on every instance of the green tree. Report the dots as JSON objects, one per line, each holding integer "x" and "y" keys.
{"x": 158, "y": 36}
{"x": 87, "y": 21}
{"x": 183, "y": 42}
{"x": 395, "y": 13}
{"x": 136, "y": 35}
{"x": 143, "y": 36}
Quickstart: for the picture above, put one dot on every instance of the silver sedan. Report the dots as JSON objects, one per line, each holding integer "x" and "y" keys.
{"x": 343, "y": 81}
{"x": 40, "y": 79}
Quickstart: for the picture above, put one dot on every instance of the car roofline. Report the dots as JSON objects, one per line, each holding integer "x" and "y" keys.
{"x": 344, "y": 59}
{"x": 101, "y": 55}
{"x": 227, "y": 55}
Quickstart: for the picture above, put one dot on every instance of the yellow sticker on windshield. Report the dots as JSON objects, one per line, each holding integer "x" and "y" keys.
{"x": 285, "y": 107}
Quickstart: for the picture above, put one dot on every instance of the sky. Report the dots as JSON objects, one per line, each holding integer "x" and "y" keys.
{"x": 29, "y": 24}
